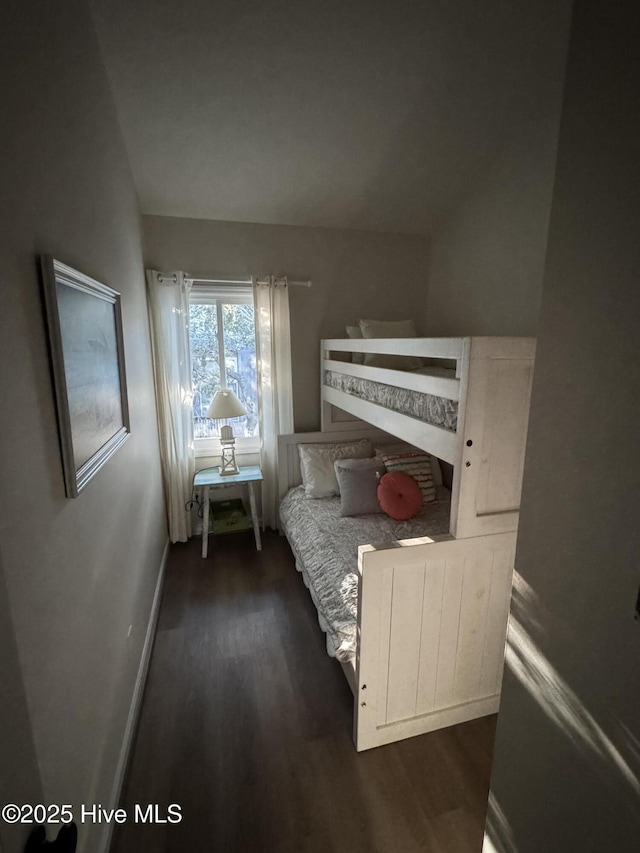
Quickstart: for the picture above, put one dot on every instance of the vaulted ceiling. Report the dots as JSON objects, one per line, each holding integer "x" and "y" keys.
{"x": 364, "y": 114}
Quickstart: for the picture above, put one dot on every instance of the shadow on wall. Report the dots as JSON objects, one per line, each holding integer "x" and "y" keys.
{"x": 558, "y": 701}
{"x": 498, "y": 837}
{"x": 563, "y": 707}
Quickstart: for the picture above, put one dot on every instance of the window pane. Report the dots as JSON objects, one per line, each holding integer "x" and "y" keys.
{"x": 205, "y": 369}
{"x": 240, "y": 364}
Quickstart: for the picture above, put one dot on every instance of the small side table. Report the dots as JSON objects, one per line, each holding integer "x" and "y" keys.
{"x": 209, "y": 478}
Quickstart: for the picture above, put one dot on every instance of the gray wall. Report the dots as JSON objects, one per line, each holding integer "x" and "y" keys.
{"x": 355, "y": 274}
{"x": 77, "y": 572}
{"x": 19, "y": 775}
{"x": 567, "y": 762}
{"x": 487, "y": 256}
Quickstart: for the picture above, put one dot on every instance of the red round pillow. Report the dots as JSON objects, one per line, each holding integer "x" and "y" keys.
{"x": 399, "y": 495}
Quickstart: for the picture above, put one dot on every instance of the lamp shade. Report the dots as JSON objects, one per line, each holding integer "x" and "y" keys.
{"x": 225, "y": 404}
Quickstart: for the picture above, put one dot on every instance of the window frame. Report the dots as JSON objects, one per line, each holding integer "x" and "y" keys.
{"x": 219, "y": 293}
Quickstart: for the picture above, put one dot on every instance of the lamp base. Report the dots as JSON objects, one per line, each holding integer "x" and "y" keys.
{"x": 228, "y": 461}
{"x": 227, "y": 471}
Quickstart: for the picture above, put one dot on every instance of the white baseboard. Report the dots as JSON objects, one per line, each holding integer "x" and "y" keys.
{"x": 136, "y": 700}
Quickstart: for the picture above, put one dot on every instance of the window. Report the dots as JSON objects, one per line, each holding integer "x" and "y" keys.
{"x": 223, "y": 355}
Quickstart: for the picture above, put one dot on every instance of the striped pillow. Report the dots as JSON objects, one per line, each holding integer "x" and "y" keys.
{"x": 416, "y": 465}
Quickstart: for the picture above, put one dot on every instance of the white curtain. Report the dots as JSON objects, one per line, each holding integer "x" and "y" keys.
{"x": 273, "y": 338}
{"x": 169, "y": 313}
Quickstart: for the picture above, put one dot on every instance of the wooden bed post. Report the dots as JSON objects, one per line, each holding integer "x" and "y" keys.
{"x": 493, "y": 418}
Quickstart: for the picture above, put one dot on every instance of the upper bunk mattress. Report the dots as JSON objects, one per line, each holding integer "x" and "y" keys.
{"x": 425, "y": 407}
{"x": 325, "y": 546}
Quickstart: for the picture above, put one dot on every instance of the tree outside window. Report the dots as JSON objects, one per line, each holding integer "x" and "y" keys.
{"x": 223, "y": 355}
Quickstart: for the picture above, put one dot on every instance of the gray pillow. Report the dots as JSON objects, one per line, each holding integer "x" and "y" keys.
{"x": 358, "y": 480}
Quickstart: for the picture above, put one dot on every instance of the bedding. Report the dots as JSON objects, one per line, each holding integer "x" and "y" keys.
{"x": 325, "y": 546}
{"x": 426, "y": 407}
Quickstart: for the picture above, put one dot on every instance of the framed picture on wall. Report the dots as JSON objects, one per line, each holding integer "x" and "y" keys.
{"x": 87, "y": 357}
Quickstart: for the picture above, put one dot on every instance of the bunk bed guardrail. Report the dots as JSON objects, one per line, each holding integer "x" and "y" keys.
{"x": 489, "y": 383}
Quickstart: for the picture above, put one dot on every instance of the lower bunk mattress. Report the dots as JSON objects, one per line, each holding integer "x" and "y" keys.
{"x": 325, "y": 546}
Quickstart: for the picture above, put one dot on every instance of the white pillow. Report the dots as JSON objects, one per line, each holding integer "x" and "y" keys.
{"x": 403, "y": 447}
{"x": 355, "y": 333}
{"x": 316, "y": 464}
{"x": 390, "y": 329}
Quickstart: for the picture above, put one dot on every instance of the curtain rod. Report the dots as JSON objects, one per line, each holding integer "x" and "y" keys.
{"x": 280, "y": 278}
{"x": 198, "y": 279}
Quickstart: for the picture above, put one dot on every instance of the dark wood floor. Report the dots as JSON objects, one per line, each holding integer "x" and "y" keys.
{"x": 246, "y": 724}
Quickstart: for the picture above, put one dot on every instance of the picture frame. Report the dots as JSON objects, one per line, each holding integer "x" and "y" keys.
{"x": 84, "y": 323}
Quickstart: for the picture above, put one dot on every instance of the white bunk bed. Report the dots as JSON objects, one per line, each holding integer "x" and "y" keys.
{"x": 432, "y": 611}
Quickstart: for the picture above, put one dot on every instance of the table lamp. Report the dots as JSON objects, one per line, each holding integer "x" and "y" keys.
{"x": 226, "y": 405}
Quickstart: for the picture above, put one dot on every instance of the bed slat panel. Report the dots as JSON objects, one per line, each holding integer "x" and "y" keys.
{"x": 500, "y": 596}
{"x": 430, "y": 636}
{"x": 404, "y": 645}
{"x": 370, "y": 691}
{"x": 452, "y": 592}
{"x": 293, "y": 464}
{"x": 386, "y": 597}
{"x": 476, "y": 587}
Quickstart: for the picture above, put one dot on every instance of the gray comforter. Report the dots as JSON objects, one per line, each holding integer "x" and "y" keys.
{"x": 325, "y": 546}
